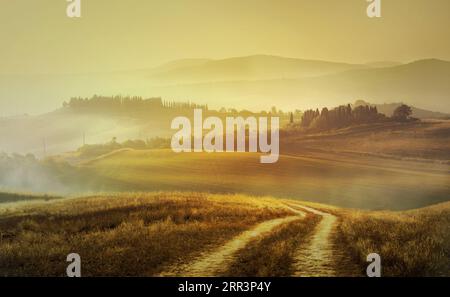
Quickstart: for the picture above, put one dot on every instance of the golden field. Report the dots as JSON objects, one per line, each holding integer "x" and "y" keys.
{"x": 348, "y": 182}
{"x": 319, "y": 211}
{"x": 143, "y": 234}
{"x": 135, "y": 234}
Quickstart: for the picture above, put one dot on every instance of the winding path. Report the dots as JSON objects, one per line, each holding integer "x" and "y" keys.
{"x": 212, "y": 263}
{"x": 316, "y": 257}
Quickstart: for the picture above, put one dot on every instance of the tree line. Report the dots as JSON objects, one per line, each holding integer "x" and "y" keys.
{"x": 120, "y": 103}
{"x": 345, "y": 115}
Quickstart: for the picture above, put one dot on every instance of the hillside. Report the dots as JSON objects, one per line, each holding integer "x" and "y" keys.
{"x": 201, "y": 234}
{"x": 98, "y": 120}
{"x": 406, "y": 165}
{"x": 424, "y": 141}
{"x": 388, "y": 109}
{"x": 315, "y": 178}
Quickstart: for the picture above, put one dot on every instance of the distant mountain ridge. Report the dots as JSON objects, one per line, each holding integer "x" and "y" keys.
{"x": 251, "y": 82}
{"x": 382, "y": 64}
{"x": 424, "y": 83}
{"x": 180, "y": 64}
{"x": 256, "y": 67}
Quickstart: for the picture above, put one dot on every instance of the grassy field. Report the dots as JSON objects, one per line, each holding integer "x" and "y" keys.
{"x": 357, "y": 183}
{"x": 425, "y": 141}
{"x": 142, "y": 234}
{"x": 412, "y": 243}
{"x": 386, "y": 166}
{"x": 127, "y": 235}
{"x": 168, "y": 209}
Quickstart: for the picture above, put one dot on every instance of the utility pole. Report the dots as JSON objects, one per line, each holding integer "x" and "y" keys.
{"x": 45, "y": 148}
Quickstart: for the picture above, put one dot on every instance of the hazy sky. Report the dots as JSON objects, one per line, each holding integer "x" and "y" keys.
{"x": 37, "y": 36}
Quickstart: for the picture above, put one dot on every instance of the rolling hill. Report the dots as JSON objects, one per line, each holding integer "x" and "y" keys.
{"x": 257, "y": 67}
{"x": 340, "y": 183}
{"x": 424, "y": 84}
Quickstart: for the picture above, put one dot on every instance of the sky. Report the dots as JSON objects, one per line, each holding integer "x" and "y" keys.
{"x": 37, "y": 36}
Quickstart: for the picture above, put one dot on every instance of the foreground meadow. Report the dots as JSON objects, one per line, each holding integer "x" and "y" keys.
{"x": 186, "y": 234}
{"x": 131, "y": 234}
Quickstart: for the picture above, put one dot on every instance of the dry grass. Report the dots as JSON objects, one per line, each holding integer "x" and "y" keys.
{"x": 272, "y": 255}
{"x": 421, "y": 141}
{"x": 144, "y": 233}
{"x": 412, "y": 243}
{"x": 124, "y": 235}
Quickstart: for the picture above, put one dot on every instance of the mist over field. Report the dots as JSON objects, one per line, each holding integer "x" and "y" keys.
{"x": 363, "y": 159}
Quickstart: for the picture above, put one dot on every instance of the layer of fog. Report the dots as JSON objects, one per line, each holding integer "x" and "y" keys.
{"x": 57, "y": 133}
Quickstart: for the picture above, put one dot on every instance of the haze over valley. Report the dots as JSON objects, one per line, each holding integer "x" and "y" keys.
{"x": 240, "y": 82}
